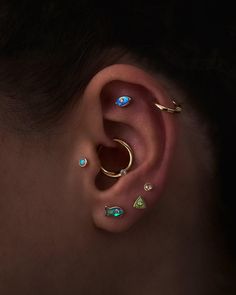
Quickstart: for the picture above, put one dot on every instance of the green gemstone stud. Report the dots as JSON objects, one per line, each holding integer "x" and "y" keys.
{"x": 114, "y": 211}
{"x": 139, "y": 203}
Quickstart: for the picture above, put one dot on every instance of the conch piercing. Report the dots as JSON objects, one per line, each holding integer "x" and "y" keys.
{"x": 177, "y": 108}
{"x": 125, "y": 170}
{"x": 83, "y": 162}
{"x": 123, "y": 101}
{"x": 113, "y": 211}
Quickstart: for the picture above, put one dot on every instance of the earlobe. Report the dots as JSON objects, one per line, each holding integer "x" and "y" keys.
{"x": 135, "y": 110}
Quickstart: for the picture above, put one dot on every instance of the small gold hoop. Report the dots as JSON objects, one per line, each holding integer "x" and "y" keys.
{"x": 177, "y": 108}
{"x": 122, "y": 171}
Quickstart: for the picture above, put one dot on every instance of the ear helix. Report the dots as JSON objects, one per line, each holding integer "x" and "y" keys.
{"x": 125, "y": 100}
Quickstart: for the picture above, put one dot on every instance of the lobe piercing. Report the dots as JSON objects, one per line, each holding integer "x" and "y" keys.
{"x": 83, "y": 162}
{"x": 113, "y": 211}
{"x": 123, "y": 101}
{"x": 140, "y": 203}
{"x": 148, "y": 187}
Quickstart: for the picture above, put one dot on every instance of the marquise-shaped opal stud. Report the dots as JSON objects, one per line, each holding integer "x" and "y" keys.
{"x": 83, "y": 162}
{"x": 123, "y": 101}
{"x": 140, "y": 203}
{"x": 114, "y": 211}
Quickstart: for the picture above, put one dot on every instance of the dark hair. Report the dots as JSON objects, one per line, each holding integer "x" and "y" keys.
{"x": 49, "y": 50}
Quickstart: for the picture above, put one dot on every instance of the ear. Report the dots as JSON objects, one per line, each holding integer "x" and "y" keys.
{"x": 150, "y": 133}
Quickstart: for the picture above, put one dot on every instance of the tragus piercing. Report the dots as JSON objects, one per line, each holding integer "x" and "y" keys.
{"x": 83, "y": 162}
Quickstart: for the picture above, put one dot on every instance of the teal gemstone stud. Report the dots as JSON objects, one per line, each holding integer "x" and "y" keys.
{"x": 83, "y": 162}
{"x": 123, "y": 101}
{"x": 113, "y": 211}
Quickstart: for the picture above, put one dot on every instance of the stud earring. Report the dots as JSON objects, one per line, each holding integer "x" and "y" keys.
{"x": 123, "y": 101}
{"x": 139, "y": 203}
{"x": 83, "y": 162}
{"x": 113, "y": 211}
{"x": 124, "y": 171}
{"x": 148, "y": 187}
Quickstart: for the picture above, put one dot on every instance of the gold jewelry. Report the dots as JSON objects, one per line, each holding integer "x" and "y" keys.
{"x": 148, "y": 187}
{"x": 139, "y": 203}
{"x": 177, "y": 108}
{"x": 122, "y": 171}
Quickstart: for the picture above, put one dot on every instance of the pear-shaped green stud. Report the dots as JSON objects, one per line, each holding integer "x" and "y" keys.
{"x": 140, "y": 203}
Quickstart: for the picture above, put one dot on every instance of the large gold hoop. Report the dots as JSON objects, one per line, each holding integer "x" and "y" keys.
{"x": 124, "y": 170}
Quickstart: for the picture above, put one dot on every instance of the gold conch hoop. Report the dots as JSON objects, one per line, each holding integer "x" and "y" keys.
{"x": 177, "y": 108}
{"x": 124, "y": 170}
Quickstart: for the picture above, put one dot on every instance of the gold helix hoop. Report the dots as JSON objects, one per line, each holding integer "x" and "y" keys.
{"x": 177, "y": 108}
{"x": 124, "y": 170}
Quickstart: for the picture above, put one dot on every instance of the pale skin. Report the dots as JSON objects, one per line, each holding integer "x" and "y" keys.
{"x": 55, "y": 238}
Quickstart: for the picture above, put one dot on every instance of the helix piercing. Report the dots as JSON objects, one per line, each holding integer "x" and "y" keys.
{"x": 123, "y": 101}
{"x": 177, "y": 108}
{"x": 122, "y": 171}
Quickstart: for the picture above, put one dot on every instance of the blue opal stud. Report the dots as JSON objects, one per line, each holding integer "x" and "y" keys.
{"x": 83, "y": 162}
{"x": 123, "y": 101}
{"x": 114, "y": 211}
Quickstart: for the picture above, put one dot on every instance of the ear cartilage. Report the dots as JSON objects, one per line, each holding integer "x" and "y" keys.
{"x": 148, "y": 187}
{"x": 123, "y": 101}
{"x": 83, "y": 162}
{"x": 139, "y": 203}
{"x": 114, "y": 211}
{"x": 177, "y": 108}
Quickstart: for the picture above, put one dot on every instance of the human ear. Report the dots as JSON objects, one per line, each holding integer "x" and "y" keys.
{"x": 148, "y": 130}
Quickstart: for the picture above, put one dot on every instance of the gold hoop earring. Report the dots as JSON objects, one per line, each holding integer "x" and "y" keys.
{"x": 122, "y": 171}
{"x": 177, "y": 108}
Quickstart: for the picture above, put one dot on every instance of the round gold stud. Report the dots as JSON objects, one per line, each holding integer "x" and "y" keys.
{"x": 148, "y": 187}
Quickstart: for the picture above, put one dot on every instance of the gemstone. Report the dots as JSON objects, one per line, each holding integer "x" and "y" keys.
{"x": 123, "y": 101}
{"x": 83, "y": 162}
{"x": 123, "y": 172}
{"x": 113, "y": 211}
{"x": 148, "y": 187}
{"x": 139, "y": 203}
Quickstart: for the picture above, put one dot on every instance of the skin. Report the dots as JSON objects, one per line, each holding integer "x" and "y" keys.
{"x": 55, "y": 238}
